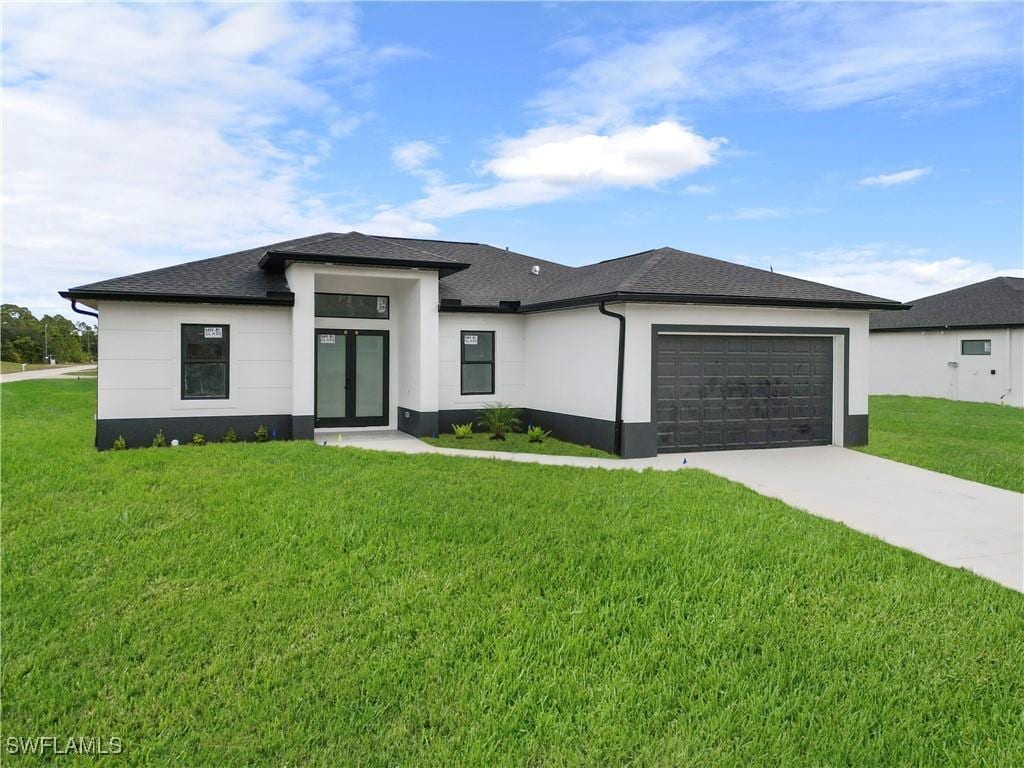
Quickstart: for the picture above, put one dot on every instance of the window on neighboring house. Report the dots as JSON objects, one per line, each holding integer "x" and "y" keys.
{"x": 204, "y": 362}
{"x": 351, "y": 305}
{"x": 477, "y": 362}
{"x": 976, "y": 347}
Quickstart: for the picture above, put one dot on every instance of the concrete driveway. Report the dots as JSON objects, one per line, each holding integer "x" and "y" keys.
{"x": 947, "y": 519}
{"x": 53, "y": 372}
{"x": 953, "y": 521}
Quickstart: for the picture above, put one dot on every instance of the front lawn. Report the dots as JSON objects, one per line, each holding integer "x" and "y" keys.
{"x": 290, "y": 604}
{"x": 518, "y": 442}
{"x": 976, "y": 441}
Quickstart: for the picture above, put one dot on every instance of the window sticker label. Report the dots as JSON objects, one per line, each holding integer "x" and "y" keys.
{"x": 469, "y": 339}
{"x": 213, "y": 332}
{"x": 382, "y": 304}
{"x": 988, "y": 347}
{"x": 326, "y": 338}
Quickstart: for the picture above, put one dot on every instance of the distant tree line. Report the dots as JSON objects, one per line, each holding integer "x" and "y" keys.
{"x": 24, "y": 338}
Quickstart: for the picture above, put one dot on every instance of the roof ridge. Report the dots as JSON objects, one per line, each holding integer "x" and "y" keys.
{"x": 424, "y": 239}
{"x": 1015, "y": 283}
{"x": 768, "y": 272}
{"x": 406, "y": 247}
{"x": 655, "y": 259}
{"x": 627, "y": 256}
{"x": 960, "y": 288}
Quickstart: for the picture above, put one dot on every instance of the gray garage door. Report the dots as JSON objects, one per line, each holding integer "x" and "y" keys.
{"x": 722, "y": 392}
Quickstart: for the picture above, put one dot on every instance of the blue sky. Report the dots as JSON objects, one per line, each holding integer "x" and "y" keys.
{"x": 878, "y": 147}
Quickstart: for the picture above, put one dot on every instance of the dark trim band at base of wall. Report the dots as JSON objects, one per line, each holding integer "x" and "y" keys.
{"x": 855, "y": 430}
{"x": 597, "y": 433}
{"x": 302, "y": 427}
{"x": 416, "y": 423}
{"x": 639, "y": 440}
{"x": 447, "y": 419}
{"x": 139, "y": 433}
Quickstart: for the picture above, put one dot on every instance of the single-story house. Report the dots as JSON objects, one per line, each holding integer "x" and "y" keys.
{"x": 965, "y": 344}
{"x": 657, "y": 351}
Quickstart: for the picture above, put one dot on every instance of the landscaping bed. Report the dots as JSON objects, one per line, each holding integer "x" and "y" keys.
{"x": 518, "y": 442}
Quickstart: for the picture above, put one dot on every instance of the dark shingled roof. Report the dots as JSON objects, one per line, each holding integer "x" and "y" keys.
{"x": 495, "y": 274}
{"x": 670, "y": 273}
{"x": 474, "y": 275}
{"x": 991, "y": 303}
{"x": 357, "y": 248}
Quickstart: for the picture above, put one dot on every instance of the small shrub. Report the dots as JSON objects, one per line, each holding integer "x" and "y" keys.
{"x": 499, "y": 419}
{"x": 462, "y": 431}
{"x": 536, "y": 434}
{"x": 159, "y": 441}
{"x": 230, "y": 436}
{"x": 261, "y": 435}
{"x": 119, "y": 444}
{"x": 198, "y": 439}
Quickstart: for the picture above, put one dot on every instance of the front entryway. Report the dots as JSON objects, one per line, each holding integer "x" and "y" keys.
{"x": 351, "y": 378}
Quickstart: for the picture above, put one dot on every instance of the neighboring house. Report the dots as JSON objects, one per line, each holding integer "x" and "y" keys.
{"x": 966, "y": 344}
{"x": 659, "y": 351}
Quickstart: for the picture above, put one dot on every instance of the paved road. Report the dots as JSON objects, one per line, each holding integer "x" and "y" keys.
{"x": 954, "y": 521}
{"x": 54, "y": 372}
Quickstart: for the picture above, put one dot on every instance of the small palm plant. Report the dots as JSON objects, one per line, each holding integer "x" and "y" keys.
{"x": 499, "y": 419}
{"x": 536, "y": 434}
{"x": 462, "y": 431}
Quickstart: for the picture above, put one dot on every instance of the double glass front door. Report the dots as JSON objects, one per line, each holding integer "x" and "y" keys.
{"x": 351, "y": 378}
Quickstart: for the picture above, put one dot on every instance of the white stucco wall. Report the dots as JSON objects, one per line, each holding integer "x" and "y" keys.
{"x": 641, "y": 317}
{"x": 918, "y": 363}
{"x": 272, "y": 349}
{"x": 509, "y": 362}
{"x": 140, "y": 360}
{"x": 572, "y": 359}
{"x": 412, "y": 330}
{"x": 561, "y": 361}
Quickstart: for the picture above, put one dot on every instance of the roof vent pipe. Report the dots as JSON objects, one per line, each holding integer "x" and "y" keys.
{"x": 535, "y": 270}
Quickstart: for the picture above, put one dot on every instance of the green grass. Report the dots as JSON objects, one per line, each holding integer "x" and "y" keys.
{"x": 289, "y": 604}
{"x": 976, "y": 441}
{"x": 84, "y": 374}
{"x": 517, "y": 441}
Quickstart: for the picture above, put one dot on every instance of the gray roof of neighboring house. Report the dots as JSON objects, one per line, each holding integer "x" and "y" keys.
{"x": 474, "y": 275}
{"x": 991, "y": 303}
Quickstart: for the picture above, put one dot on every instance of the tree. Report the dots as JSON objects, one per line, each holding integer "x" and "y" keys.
{"x": 26, "y": 339}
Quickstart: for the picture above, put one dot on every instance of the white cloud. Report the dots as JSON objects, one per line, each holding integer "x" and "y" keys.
{"x": 811, "y": 56}
{"x": 762, "y": 214}
{"x": 607, "y": 122}
{"x": 629, "y": 157}
{"x": 412, "y": 155}
{"x": 142, "y": 135}
{"x": 559, "y": 161}
{"x": 891, "y": 272}
{"x": 699, "y": 189}
{"x": 890, "y": 179}
{"x": 391, "y": 221}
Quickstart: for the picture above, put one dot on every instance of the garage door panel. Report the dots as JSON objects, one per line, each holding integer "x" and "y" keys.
{"x": 721, "y": 392}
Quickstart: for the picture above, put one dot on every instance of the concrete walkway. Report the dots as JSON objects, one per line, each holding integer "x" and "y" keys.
{"x": 952, "y": 521}
{"x": 52, "y": 372}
